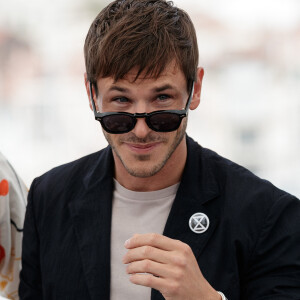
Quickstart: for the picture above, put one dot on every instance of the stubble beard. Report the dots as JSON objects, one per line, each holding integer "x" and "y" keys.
{"x": 152, "y": 137}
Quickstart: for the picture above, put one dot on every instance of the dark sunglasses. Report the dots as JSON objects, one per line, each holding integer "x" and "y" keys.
{"x": 123, "y": 122}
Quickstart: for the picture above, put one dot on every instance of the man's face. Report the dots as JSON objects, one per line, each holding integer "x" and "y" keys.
{"x": 142, "y": 151}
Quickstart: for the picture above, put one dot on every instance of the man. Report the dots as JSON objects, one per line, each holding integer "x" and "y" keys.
{"x": 154, "y": 215}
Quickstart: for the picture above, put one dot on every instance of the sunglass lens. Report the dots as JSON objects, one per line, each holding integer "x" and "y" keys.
{"x": 164, "y": 122}
{"x": 117, "y": 123}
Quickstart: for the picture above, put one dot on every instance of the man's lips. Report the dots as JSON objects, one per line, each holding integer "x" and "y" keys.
{"x": 142, "y": 148}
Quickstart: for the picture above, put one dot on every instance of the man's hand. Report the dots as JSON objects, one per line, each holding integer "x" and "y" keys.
{"x": 166, "y": 265}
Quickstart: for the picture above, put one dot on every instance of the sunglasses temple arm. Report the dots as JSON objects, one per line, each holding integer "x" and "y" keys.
{"x": 92, "y": 99}
{"x": 190, "y": 98}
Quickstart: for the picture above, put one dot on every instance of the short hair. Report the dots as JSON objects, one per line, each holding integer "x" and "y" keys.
{"x": 147, "y": 34}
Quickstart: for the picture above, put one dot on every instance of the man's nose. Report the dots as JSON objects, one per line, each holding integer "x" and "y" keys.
{"x": 141, "y": 128}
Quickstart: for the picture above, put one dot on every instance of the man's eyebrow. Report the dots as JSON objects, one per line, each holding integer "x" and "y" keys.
{"x": 163, "y": 88}
{"x": 155, "y": 90}
{"x": 118, "y": 89}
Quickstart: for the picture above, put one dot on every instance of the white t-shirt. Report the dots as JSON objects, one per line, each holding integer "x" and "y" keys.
{"x": 135, "y": 212}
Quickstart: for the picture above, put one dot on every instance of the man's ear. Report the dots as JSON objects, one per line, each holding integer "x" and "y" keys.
{"x": 197, "y": 89}
{"x": 87, "y": 87}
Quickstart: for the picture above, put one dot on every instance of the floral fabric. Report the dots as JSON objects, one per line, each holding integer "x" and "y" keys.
{"x": 13, "y": 195}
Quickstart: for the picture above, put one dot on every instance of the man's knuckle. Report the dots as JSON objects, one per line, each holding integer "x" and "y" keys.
{"x": 174, "y": 288}
{"x": 180, "y": 261}
{"x": 178, "y": 275}
{"x": 147, "y": 251}
{"x": 147, "y": 265}
{"x": 153, "y": 238}
{"x": 186, "y": 249}
{"x": 148, "y": 280}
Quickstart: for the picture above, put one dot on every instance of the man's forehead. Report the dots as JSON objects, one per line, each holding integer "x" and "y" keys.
{"x": 171, "y": 69}
{"x": 172, "y": 77}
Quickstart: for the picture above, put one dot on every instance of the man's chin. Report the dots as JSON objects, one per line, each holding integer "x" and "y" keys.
{"x": 143, "y": 171}
{"x": 142, "y": 158}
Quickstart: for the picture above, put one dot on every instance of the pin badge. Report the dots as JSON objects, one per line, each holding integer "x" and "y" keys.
{"x": 199, "y": 222}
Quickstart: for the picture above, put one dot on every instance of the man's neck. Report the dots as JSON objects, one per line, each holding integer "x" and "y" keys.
{"x": 169, "y": 175}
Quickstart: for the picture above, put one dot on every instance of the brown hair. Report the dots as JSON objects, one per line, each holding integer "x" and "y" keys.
{"x": 147, "y": 34}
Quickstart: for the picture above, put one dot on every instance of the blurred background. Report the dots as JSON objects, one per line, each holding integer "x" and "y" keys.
{"x": 250, "y": 106}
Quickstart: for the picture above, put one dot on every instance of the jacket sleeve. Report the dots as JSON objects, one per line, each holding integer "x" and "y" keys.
{"x": 274, "y": 268}
{"x": 30, "y": 276}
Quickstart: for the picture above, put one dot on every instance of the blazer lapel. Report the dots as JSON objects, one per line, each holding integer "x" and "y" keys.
{"x": 197, "y": 189}
{"x": 91, "y": 214}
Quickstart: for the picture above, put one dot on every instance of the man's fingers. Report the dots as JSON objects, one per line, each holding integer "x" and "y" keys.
{"x": 148, "y": 280}
{"x": 146, "y": 252}
{"x": 166, "y": 287}
{"x": 150, "y": 267}
{"x": 154, "y": 240}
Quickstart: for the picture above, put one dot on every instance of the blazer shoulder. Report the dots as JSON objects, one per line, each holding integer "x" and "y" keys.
{"x": 234, "y": 180}
{"x": 242, "y": 188}
{"x": 62, "y": 183}
{"x": 77, "y": 167}
{"x": 230, "y": 172}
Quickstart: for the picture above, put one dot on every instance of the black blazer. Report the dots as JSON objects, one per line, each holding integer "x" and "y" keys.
{"x": 251, "y": 249}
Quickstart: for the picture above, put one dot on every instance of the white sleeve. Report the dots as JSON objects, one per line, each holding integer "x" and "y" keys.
{"x": 13, "y": 198}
